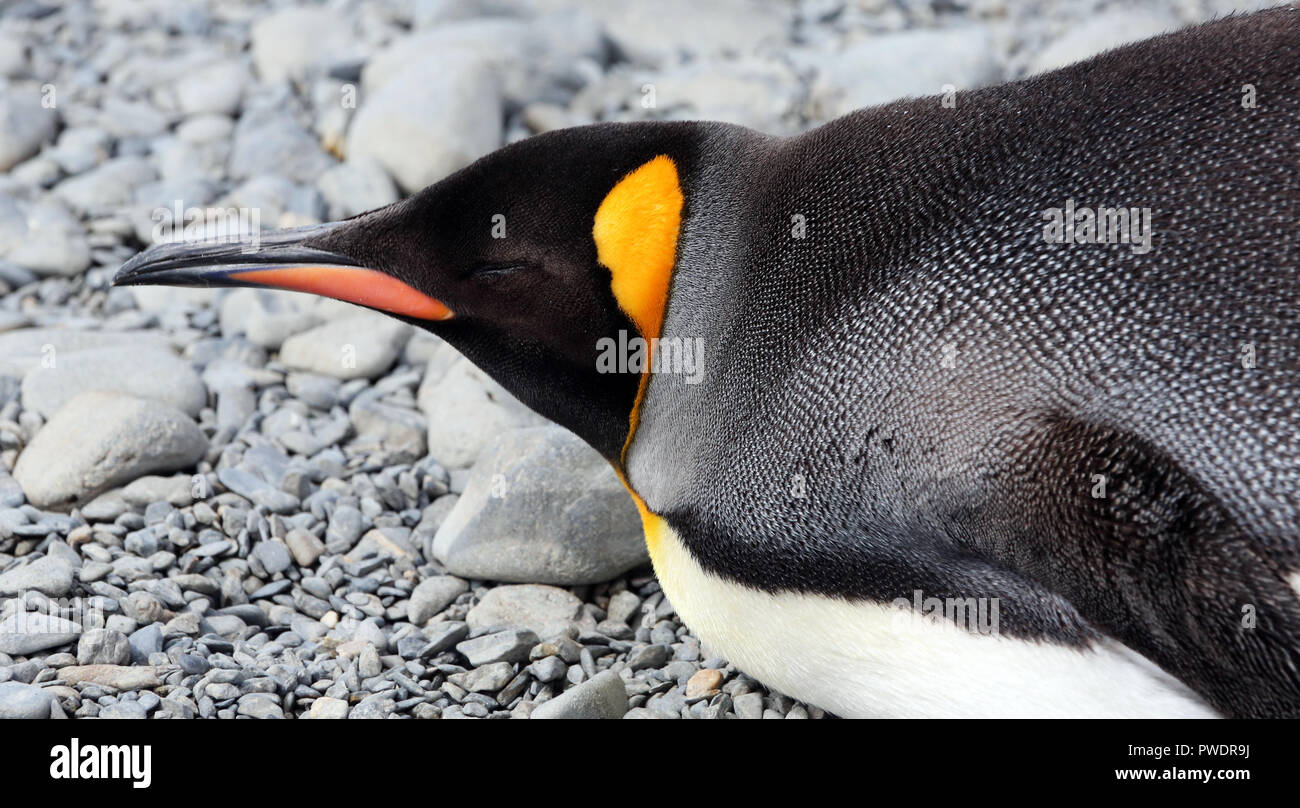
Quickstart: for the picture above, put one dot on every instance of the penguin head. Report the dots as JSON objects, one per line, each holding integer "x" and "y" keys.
{"x": 531, "y": 262}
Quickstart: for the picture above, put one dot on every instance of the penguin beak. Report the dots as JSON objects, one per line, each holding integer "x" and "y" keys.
{"x": 279, "y": 259}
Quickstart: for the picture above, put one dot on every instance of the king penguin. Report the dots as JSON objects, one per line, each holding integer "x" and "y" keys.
{"x": 952, "y": 447}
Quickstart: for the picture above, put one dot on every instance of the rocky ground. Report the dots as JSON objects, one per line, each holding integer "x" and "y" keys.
{"x": 245, "y": 503}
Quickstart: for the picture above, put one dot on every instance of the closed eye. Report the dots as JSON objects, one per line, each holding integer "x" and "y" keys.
{"x": 495, "y": 269}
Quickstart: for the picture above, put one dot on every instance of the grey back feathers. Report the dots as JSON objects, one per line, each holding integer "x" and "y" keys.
{"x": 925, "y": 393}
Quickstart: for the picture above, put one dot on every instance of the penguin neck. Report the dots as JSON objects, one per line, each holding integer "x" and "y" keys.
{"x": 688, "y": 354}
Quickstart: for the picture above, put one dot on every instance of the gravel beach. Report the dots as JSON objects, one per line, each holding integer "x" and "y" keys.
{"x": 256, "y": 504}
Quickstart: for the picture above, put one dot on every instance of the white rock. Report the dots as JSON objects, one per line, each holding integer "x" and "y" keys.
{"x": 267, "y": 316}
{"x": 359, "y": 346}
{"x": 100, "y": 440}
{"x": 25, "y": 123}
{"x": 466, "y": 409}
{"x": 272, "y": 142}
{"x": 541, "y": 506}
{"x": 290, "y": 43}
{"x": 662, "y": 32}
{"x": 13, "y": 55}
{"x": 43, "y": 237}
{"x": 872, "y": 71}
{"x": 752, "y": 92}
{"x": 1101, "y": 32}
{"x": 28, "y": 348}
{"x": 214, "y": 88}
{"x": 107, "y": 187}
{"x": 148, "y": 374}
{"x": 164, "y": 298}
{"x": 530, "y": 58}
{"x": 359, "y": 185}
{"x": 329, "y": 708}
{"x": 428, "y": 121}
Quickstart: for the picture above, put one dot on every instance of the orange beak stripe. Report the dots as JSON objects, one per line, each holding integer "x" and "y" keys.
{"x": 366, "y": 287}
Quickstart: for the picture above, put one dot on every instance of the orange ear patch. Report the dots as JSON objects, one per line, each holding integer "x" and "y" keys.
{"x": 635, "y": 231}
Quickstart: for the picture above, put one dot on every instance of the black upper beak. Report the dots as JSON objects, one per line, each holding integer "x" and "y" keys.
{"x": 213, "y": 263}
{"x": 282, "y": 259}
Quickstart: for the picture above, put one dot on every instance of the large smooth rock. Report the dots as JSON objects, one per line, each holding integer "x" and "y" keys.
{"x": 27, "y": 348}
{"x": 1101, "y": 32}
{"x": 100, "y": 440}
{"x": 466, "y": 409}
{"x": 429, "y": 120}
{"x": 270, "y": 141}
{"x": 25, "y": 633}
{"x": 667, "y": 31}
{"x": 359, "y": 185}
{"x": 355, "y": 346}
{"x": 868, "y": 73}
{"x": 25, "y": 123}
{"x": 543, "y": 610}
{"x": 602, "y": 696}
{"x": 291, "y": 43}
{"x": 149, "y": 374}
{"x": 43, "y": 237}
{"x": 107, "y": 187}
{"x": 49, "y": 575}
{"x": 531, "y": 58}
{"x": 541, "y": 506}
{"x": 757, "y": 93}
{"x": 23, "y": 701}
{"x": 213, "y": 88}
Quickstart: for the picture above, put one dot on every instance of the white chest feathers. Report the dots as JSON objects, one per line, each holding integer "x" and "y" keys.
{"x": 861, "y": 659}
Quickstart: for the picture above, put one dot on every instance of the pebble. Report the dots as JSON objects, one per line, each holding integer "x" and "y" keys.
{"x": 544, "y": 610}
{"x": 485, "y": 679}
{"x": 511, "y": 645}
{"x": 99, "y": 646}
{"x": 122, "y": 677}
{"x": 749, "y": 705}
{"x": 48, "y": 575}
{"x": 257, "y": 490}
{"x": 602, "y": 696}
{"x": 433, "y": 595}
{"x": 258, "y": 705}
{"x": 705, "y": 682}
{"x": 329, "y": 708}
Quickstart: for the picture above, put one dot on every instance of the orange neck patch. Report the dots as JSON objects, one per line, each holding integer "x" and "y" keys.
{"x": 635, "y": 231}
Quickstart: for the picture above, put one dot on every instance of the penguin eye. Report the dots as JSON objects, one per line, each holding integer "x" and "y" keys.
{"x": 493, "y": 269}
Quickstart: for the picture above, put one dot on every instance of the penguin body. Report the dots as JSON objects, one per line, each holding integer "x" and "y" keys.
{"x": 911, "y": 395}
